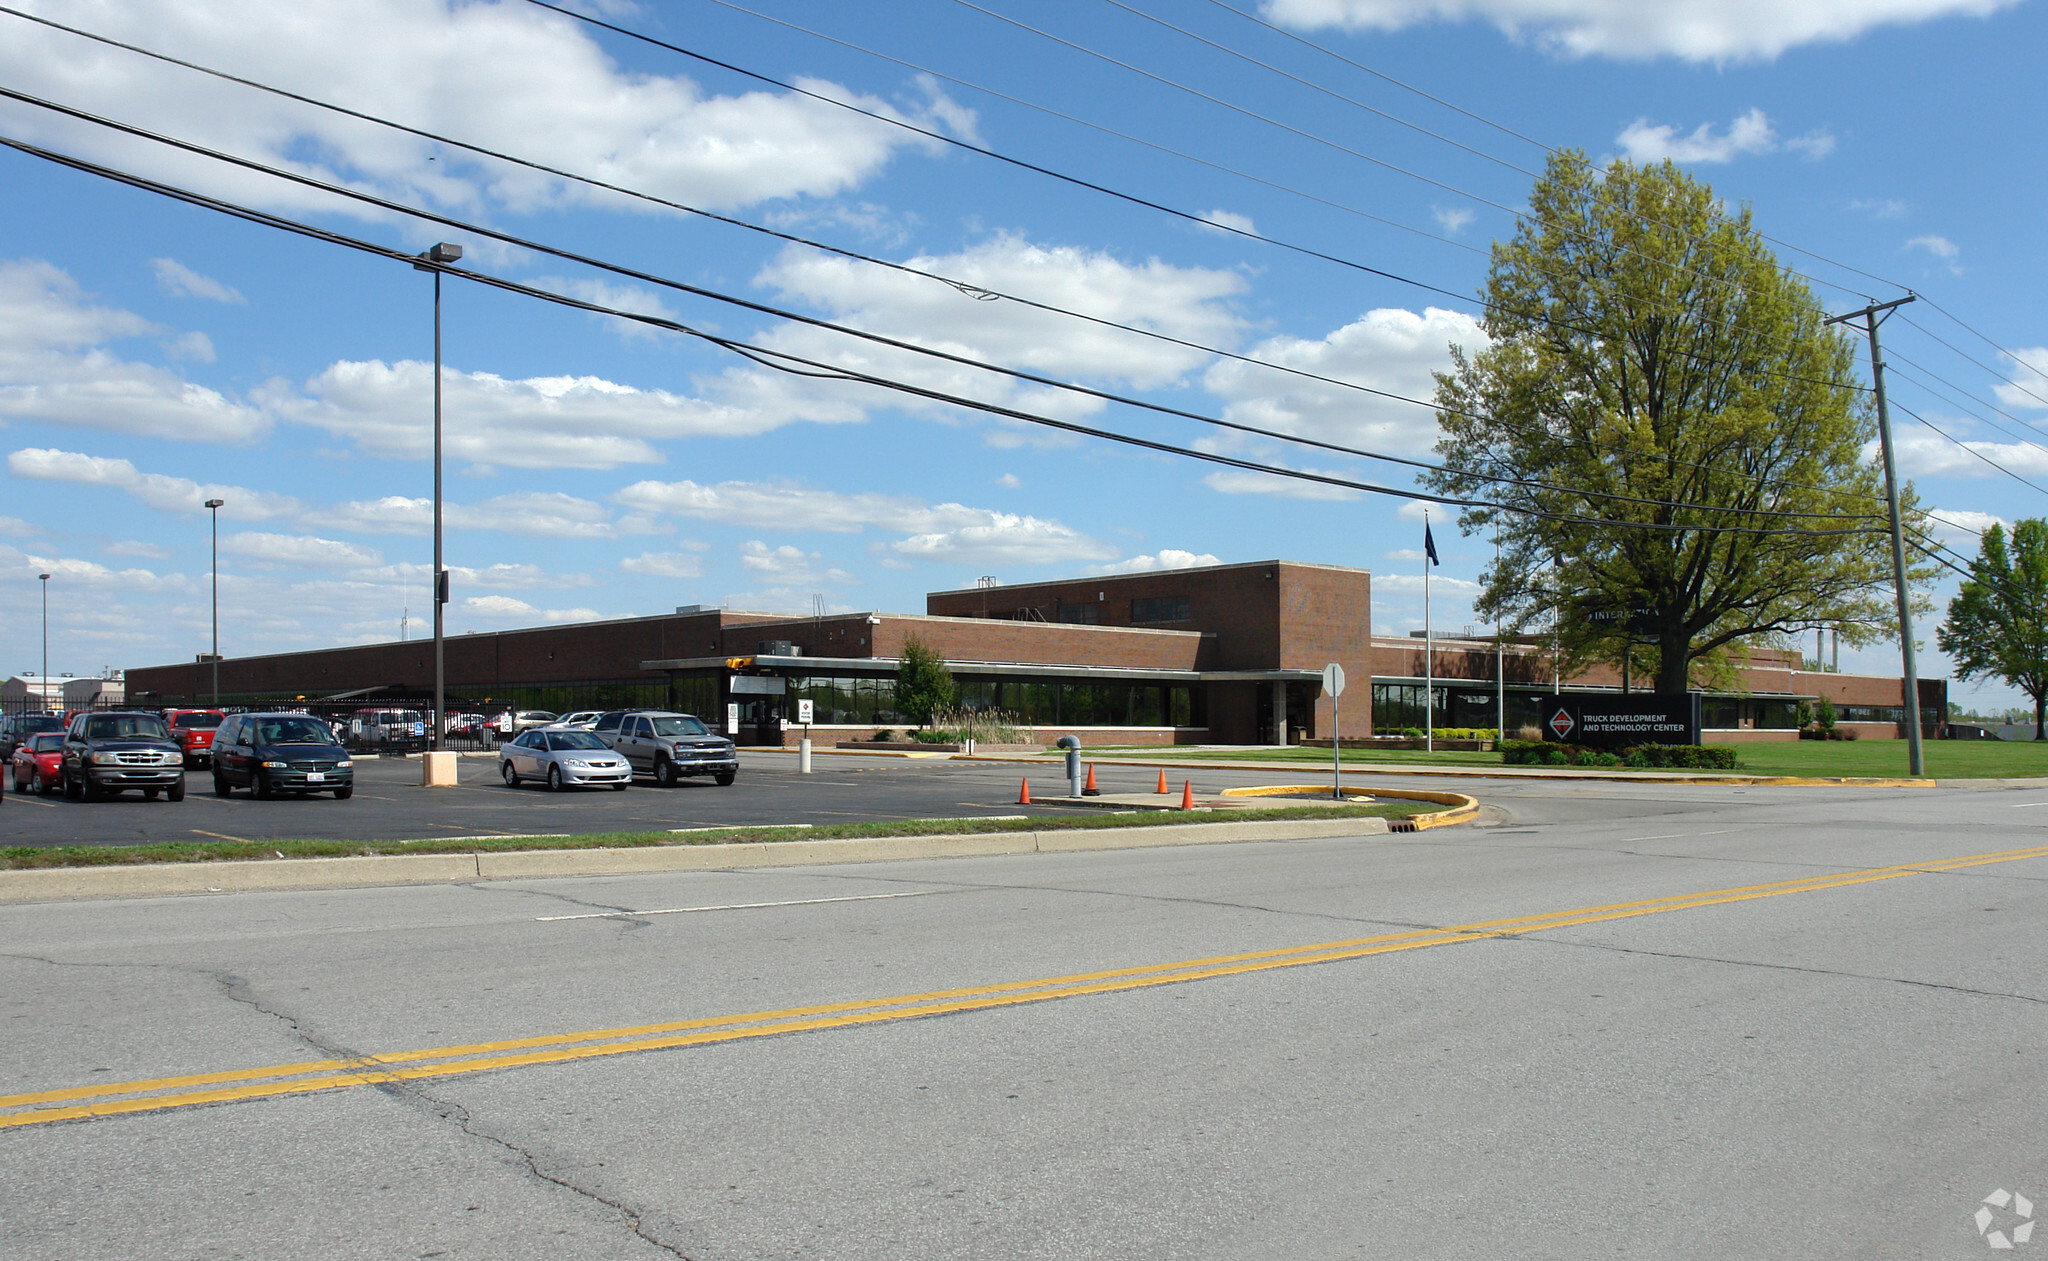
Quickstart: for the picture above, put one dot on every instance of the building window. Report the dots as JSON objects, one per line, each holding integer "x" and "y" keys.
{"x": 1085, "y": 614}
{"x": 1170, "y": 608}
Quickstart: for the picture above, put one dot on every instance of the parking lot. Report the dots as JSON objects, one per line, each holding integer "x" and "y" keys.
{"x": 389, "y": 803}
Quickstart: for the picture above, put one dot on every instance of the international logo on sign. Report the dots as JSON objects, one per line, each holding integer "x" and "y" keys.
{"x": 1561, "y": 723}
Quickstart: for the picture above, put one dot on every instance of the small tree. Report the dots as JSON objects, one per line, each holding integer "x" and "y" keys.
{"x": 923, "y": 684}
{"x": 1802, "y": 715}
{"x": 1997, "y": 624}
{"x": 1825, "y": 715}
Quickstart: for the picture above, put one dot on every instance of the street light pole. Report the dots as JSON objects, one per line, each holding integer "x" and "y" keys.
{"x": 440, "y": 254}
{"x": 45, "y": 579}
{"x": 213, "y": 506}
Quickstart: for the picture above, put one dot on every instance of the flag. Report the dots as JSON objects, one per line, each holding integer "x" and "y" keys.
{"x": 1429, "y": 545}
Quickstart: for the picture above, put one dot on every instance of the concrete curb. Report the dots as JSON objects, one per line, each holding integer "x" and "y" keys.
{"x": 1499, "y": 772}
{"x": 60, "y": 884}
{"x": 1461, "y": 806}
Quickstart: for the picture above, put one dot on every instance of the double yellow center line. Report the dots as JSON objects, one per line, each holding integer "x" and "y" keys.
{"x": 115, "y": 1098}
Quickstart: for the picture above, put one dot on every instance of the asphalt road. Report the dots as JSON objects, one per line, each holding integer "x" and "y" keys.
{"x": 1831, "y": 1044}
{"x": 389, "y": 803}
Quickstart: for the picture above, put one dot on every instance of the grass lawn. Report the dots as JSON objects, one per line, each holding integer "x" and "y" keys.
{"x": 1946, "y": 759}
{"x": 30, "y": 857}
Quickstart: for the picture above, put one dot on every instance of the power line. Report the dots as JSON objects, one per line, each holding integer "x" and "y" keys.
{"x": 1960, "y": 354}
{"x": 812, "y": 321}
{"x": 1105, "y": 190}
{"x": 962, "y": 286}
{"x": 758, "y": 353}
{"x": 2034, "y": 486}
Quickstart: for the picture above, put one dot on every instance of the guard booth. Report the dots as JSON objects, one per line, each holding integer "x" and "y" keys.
{"x": 760, "y": 699}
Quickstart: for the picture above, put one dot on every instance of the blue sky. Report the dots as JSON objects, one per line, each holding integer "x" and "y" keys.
{"x": 153, "y": 354}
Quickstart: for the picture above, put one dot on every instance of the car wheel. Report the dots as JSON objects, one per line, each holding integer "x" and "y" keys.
{"x": 221, "y": 787}
{"x": 44, "y": 786}
{"x": 664, "y": 772}
{"x": 91, "y": 791}
{"x": 511, "y": 776}
{"x": 19, "y": 786}
{"x": 73, "y": 790}
{"x": 261, "y": 787}
{"x": 725, "y": 778}
{"x": 149, "y": 794}
{"x": 343, "y": 794}
{"x": 555, "y": 783}
{"x": 176, "y": 792}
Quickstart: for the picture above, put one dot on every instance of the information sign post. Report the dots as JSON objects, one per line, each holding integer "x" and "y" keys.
{"x": 1333, "y": 683}
{"x": 805, "y": 710}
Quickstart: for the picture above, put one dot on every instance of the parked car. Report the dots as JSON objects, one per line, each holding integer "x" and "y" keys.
{"x": 274, "y": 753}
{"x": 669, "y": 746}
{"x": 36, "y": 762}
{"x": 385, "y": 726}
{"x": 16, "y": 728}
{"x": 193, "y": 729}
{"x": 564, "y": 759}
{"x": 528, "y": 719}
{"x": 581, "y": 720}
{"x": 108, "y": 752}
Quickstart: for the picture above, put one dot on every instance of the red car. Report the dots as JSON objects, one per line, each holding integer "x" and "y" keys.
{"x": 193, "y": 730}
{"x": 35, "y": 762}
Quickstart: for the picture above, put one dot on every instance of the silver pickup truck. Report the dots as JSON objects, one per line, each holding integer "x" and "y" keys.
{"x": 668, "y": 746}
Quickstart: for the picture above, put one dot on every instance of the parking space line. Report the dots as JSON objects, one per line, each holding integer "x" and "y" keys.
{"x": 222, "y": 836}
{"x": 739, "y": 906}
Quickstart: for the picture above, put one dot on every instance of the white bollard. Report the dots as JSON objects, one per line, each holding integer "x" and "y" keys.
{"x": 803, "y": 756}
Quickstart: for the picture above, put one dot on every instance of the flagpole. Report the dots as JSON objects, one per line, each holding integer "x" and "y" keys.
{"x": 1428, "y": 650}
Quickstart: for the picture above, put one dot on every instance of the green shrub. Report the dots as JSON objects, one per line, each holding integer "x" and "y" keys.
{"x": 1824, "y": 714}
{"x": 1411, "y": 733}
{"x": 1636, "y": 760}
{"x": 884, "y": 736}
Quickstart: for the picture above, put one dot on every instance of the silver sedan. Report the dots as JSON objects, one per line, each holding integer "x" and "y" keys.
{"x": 565, "y": 759}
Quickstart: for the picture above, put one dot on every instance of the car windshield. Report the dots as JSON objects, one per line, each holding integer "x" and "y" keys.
{"x": 45, "y": 722}
{"x": 292, "y": 731}
{"x": 680, "y": 725}
{"x": 574, "y": 740}
{"x": 125, "y": 727}
{"x": 47, "y": 742}
{"x": 199, "y": 722}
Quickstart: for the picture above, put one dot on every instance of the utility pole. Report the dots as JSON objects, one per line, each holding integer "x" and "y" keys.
{"x": 1872, "y": 316}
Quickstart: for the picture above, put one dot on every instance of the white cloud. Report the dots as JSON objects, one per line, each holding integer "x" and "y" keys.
{"x": 180, "y": 281}
{"x": 299, "y": 551}
{"x": 1009, "y": 481}
{"x": 1388, "y": 349}
{"x": 54, "y": 367}
{"x": 948, "y": 531}
{"x": 195, "y": 346}
{"x": 1411, "y": 585}
{"x": 790, "y": 566}
{"x": 1416, "y": 510}
{"x": 497, "y": 607}
{"x": 1880, "y": 208}
{"x": 1941, "y": 248}
{"x": 1750, "y": 133}
{"x": 1231, "y": 220}
{"x": 1923, "y": 453}
{"x": 92, "y": 574}
{"x": 1960, "y": 528}
{"x": 1453, "y": 220}
{"x": 16, "y": 528}
{"x": 620, "y": 297}
{"x": 546, "y": 514}
{"x": 664, "y": 565}
{"x": 1165, "y": 558}
{"x": 507, "y": 76}
{"x": 1407, "y": 554}
{"x": 168, "y": 494}
{"x": 1244, "y": 483}
{"x": 1701, "y": 30}
{"x": 2028, "y": 384}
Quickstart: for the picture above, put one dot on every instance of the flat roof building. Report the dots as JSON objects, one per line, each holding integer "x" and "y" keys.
{"x": 1222, "y": 654}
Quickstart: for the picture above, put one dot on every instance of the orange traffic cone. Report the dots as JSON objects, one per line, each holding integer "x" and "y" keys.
{"x": 1163, "y": 789}
{"x": 1024, "y": 793}
{"x": 1187, "y": 795}
{"x": 1091, "y": 790}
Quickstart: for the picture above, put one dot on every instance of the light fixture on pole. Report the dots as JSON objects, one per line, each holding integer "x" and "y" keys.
{"x": 213, "y": 506}
{"x": 434, "y": 260}
{"x": 45, "y": 579}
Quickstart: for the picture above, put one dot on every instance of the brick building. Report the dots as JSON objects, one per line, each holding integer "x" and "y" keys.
{"x": 1225, "y": 654}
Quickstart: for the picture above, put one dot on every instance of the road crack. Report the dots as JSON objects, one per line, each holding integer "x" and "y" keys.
{"x": 1777, "y": 967}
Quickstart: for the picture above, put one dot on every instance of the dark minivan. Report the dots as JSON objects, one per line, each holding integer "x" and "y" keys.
{"x": 279, "y": 753}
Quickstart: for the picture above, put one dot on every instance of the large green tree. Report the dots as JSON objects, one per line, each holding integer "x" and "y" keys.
{"x": 1650, "y": 364}
{"x": 1997, "y": 623}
